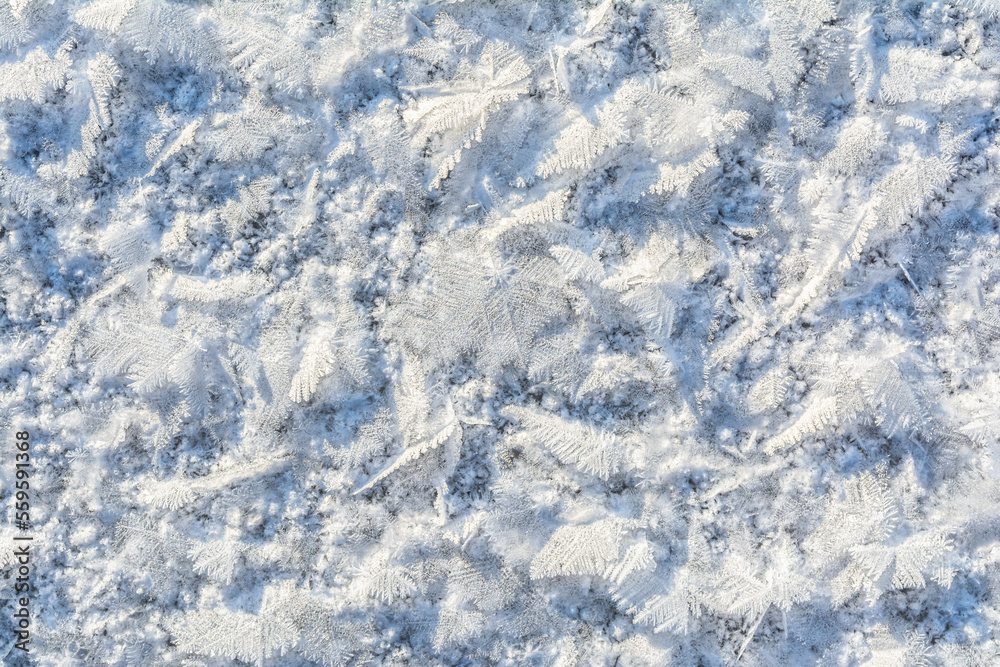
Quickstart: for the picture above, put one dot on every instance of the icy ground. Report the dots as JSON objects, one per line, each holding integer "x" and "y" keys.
{"x": 502, "y": 333}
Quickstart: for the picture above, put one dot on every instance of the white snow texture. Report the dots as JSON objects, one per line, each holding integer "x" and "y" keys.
{"x": 502, "y": 333}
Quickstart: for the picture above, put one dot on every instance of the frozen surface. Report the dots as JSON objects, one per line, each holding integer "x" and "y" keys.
{"x": 499, "y": 333}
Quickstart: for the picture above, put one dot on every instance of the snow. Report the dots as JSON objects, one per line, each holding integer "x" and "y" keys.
{"x": 496, "y": 333}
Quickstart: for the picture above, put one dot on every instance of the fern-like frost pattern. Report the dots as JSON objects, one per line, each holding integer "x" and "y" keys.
{"x": 502, "y": 333}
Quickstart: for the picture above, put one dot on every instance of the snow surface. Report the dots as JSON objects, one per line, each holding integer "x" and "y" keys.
{"x": 502, "y": 333}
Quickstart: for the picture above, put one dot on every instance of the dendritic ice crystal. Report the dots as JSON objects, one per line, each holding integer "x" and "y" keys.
{"x": 556, "y": 334}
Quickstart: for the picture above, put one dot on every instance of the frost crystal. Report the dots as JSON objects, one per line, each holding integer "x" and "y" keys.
{"x": 502, "y": 333}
